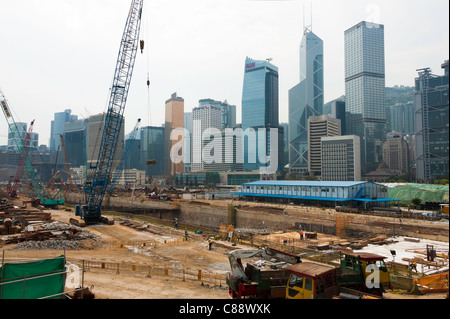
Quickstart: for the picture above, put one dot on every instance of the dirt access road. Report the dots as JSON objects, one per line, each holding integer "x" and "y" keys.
{"x": 191, "y": 254}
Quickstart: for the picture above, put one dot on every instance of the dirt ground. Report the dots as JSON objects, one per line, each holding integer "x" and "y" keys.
{"x": 191, "y": 254}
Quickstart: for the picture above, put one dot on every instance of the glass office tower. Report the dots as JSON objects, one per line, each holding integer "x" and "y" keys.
{"x": 260, "y": 94}
{"x": 259, "y": 106}
{"x": 305, "y": 100}
{"x": 365, "y": 91}
{"x": 57, "y": 127}
{"x": 152, "y": 149}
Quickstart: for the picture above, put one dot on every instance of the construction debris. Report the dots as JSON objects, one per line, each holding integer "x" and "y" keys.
{"x": 433, "y": 283}
{"x": 58, "y": 244}
{"x": 60, "y": 233}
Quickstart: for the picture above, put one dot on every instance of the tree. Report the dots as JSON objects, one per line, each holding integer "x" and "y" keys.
{"x": 310, "y": 178}
{"x": 416, "y": 201}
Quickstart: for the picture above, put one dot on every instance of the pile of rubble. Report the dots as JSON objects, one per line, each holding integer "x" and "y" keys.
{"x": 81, "y": 233}
{"x": 59, "y": 244}
{"x": 55, "y": 235}
{"x": 5, "y": 204}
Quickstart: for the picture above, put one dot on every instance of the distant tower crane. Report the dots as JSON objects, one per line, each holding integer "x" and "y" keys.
{"x": 95, "y": 189}
{"x": 44, "y": 198}
{"x": 12, "y": 188}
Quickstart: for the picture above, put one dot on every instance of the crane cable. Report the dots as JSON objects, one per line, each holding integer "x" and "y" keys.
{"x": 148, "y": 95}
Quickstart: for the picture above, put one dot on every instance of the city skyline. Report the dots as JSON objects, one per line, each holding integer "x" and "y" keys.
{"x": 60, "y": 54}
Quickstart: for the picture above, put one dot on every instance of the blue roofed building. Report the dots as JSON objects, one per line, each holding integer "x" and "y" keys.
{"x": 319, "y": 193}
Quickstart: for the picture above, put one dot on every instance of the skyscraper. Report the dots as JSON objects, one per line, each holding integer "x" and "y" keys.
{"x": 228, "y": 116}
{"x": 431, "y": 105}
{"x": 318, "y": 127}
{"x": 95, "y": 127}
{"x": 305, "y": 100}
{"x": 204, "y": 117}
{"x": 260, "y": 110}
{"x": 152, "y": 149}
{"x": 365, "y": 91}
{"x": 57, "y": 127}
{"x": 396, "y": 153}
{"x": 402, "y": 118}
{"x": 336, "y": 109}
{"x": 174, "y": 119}
{"x": 260, "y": 94}
{"x": 75, "y": 134}
{"x": 187, "y": 142}
{"x": 21, "y": 132}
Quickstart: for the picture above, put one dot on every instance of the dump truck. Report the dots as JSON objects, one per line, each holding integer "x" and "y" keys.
{"x": 265, "y": 279}
{"x": 359, "y": 276}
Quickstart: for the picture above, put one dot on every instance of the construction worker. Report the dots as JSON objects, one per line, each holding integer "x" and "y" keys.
{"x": 175, "y": 223}
{"x": 210, "y": 242}
{"x": 185, "y": 234}
{"x": 301, "y": 235}
{"x": 413, "y": 265}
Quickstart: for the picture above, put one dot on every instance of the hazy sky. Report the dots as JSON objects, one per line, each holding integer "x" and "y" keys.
{"x": 61, "y": 54}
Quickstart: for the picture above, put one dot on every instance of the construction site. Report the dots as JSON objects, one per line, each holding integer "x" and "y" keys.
{"x": 60, "y": 240}
{"x": 181, "y": 249}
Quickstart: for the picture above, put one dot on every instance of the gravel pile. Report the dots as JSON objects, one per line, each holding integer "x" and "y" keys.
{"x": 59, "y": 244}
{"x": 59, "y": 226}
{"x": 254, "y": 231}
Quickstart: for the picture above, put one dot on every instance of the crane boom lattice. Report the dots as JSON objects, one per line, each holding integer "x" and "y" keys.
{"x": 95, "y": 189}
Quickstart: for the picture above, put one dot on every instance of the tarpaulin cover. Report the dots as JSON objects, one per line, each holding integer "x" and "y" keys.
{"x": 32, "y": 288}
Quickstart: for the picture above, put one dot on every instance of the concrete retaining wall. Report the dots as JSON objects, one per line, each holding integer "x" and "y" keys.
{"x": 323, "y": 221}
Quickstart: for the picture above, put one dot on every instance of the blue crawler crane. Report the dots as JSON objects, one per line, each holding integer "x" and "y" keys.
{"x": 95, "y": 188}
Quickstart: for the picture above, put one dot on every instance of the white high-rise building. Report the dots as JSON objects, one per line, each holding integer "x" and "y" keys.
{"x": 341, "y": 160}
{"x": 203, "y": 117}
{"x": 318, "y": 127}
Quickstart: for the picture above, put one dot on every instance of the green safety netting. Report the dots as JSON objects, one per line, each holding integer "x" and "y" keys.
{"x": 426, "y": 192}
{"x": 36, "y": 284}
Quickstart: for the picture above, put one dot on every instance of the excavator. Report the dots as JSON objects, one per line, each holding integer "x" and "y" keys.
{"x": 264, "y": 279}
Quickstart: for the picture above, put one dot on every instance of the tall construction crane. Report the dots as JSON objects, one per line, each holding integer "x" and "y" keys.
{"x": 44, "y": 198}
{"x": 12, "y": 188}
{"x": 95, "y": 189}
